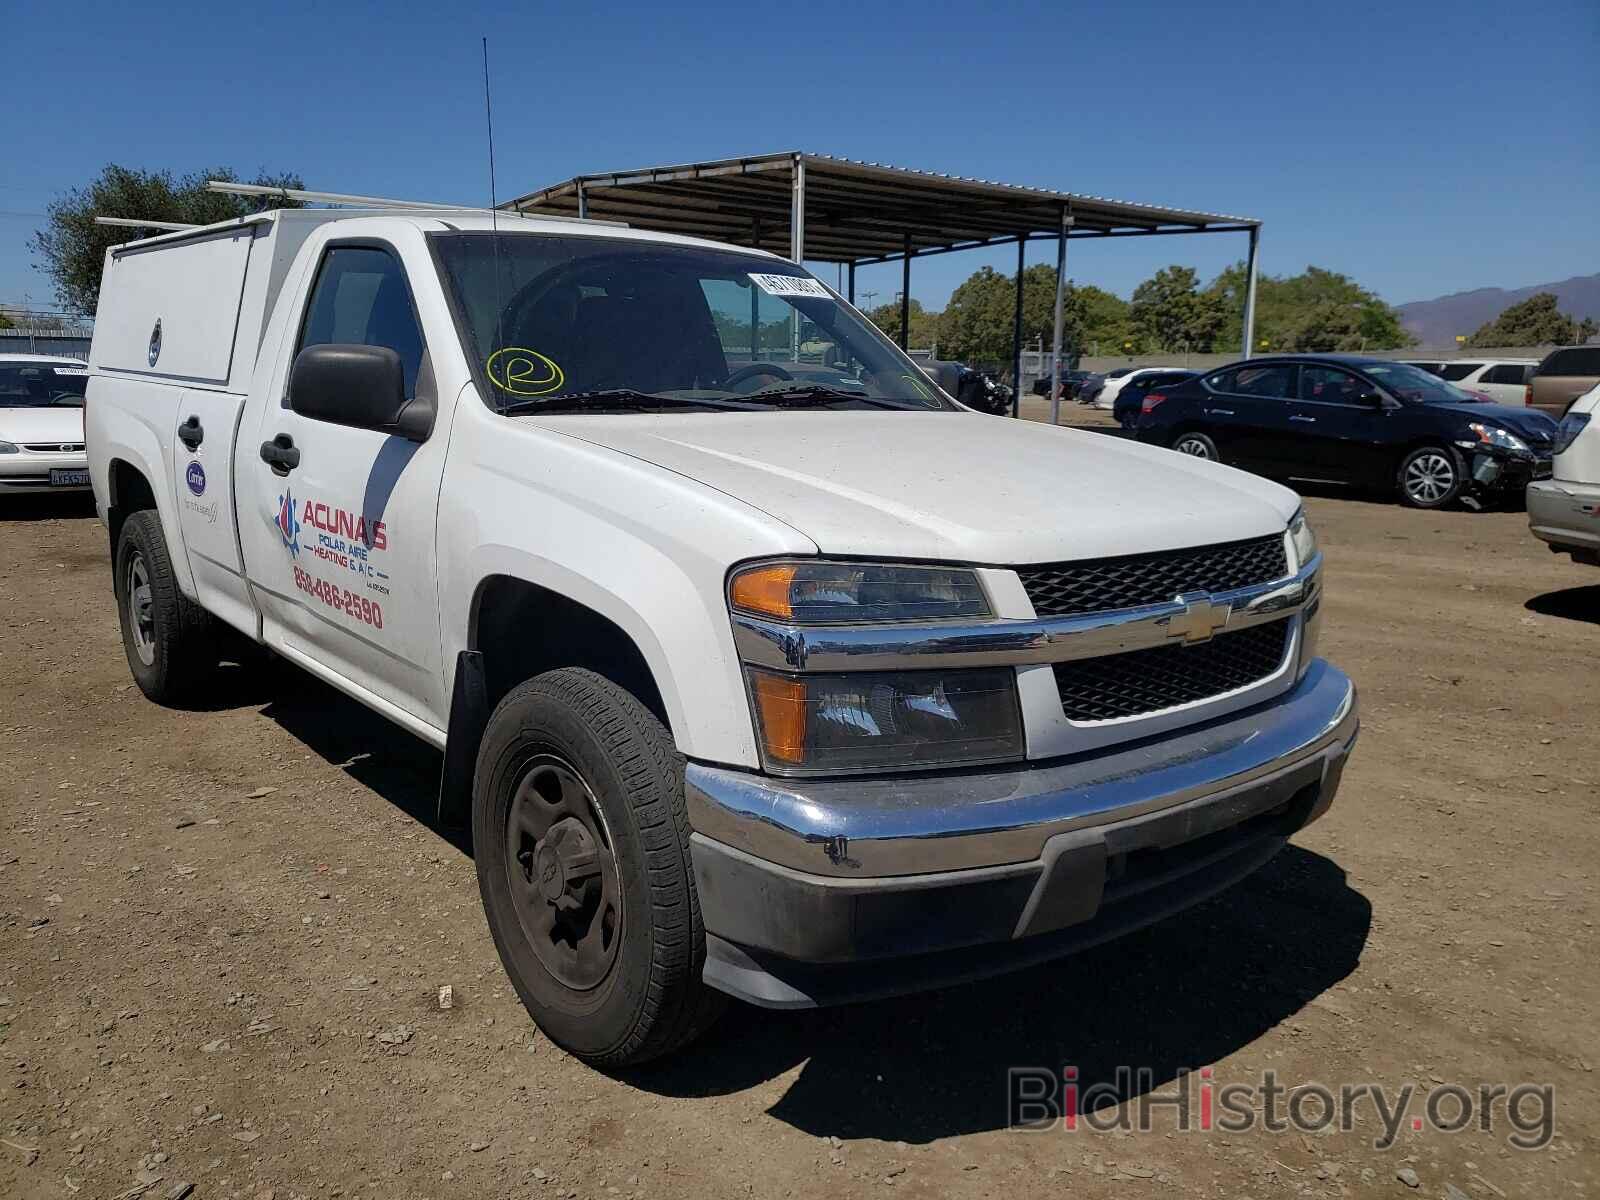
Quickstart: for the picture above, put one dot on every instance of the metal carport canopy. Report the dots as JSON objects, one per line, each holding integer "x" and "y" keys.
{"x": 813, "y": 207}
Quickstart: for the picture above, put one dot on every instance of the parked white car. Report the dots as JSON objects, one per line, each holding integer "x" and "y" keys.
{"x": 1106, "y": 398}
{"x": 1503, "y": 380}
{"x": 41, "y": 424}
{"x": 748, "y": 683}
{"x": 1565, "y": 509}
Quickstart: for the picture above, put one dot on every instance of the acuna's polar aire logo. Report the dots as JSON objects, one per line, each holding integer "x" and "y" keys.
{"x": 195, "y": 477}
{"x": 288, "y": 525}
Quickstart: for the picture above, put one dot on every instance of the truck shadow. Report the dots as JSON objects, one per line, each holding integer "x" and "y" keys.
{"x": 1180, "y": 995}
{"x": 1571, "y": 604}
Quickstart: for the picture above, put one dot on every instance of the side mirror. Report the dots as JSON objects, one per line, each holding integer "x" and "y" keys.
{"x": 363, "y": 386}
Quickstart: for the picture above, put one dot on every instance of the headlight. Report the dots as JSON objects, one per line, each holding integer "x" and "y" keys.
{"x": 828, "y": 593}
{"x": 1566, "y": 433}
{"x": 816, "y": 724}
{"x": 7, "y": 448}
{"x": 1305, "y": 542}
{"x": 1501, "y": 439}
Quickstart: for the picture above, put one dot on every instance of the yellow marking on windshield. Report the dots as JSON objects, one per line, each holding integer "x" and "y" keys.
{"x": 920, "y": 387}
{"x": 524, "y": 372}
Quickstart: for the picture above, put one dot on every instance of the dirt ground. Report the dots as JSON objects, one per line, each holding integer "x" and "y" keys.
{"x": 225, "y": 931}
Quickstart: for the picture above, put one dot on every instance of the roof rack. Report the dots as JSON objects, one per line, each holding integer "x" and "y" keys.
{"x": 305, "y": 196}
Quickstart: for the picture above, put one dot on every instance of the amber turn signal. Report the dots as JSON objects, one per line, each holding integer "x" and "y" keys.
{"x": 781, "y": 706}
{"x": 765, "y": 590}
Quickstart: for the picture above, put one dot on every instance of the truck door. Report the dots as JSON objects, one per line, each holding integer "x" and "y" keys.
{"x": 202, "y": 452}
{"x": 341, "y": 539}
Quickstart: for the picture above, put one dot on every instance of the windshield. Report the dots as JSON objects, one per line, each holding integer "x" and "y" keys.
{"x": 608, "y": 323}
{"x": 1415, "y": 384}
{"x": 41, "y": 385}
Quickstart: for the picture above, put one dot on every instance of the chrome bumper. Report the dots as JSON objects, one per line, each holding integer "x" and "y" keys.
{"x": 876, "y": 827}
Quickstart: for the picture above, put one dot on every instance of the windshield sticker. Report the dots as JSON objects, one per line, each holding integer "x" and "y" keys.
{"x": 524, "y": 372}
{"x": 76, "y": 372}
{"x": 790, "y": 285}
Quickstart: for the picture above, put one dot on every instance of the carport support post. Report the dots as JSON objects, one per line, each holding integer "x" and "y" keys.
{"x": 797, "y": 246}
{"x": 852, "y": 296}
{"x": 1016, "y": 332}
{"x": 1250, "y": 291}
{"x": 905, "y": 297}
{"x": 1055, "y": 344}
{"x": 583, "y": 202}
{"x": 755, "y": 303}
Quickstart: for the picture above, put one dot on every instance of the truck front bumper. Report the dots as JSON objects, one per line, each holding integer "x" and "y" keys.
{"x": 825, "y": 891}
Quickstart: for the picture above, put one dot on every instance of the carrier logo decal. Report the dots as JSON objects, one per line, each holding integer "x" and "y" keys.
{"x": 155, "y": 343}
{"x": 195, "y": 477}
{"x": 524, "y": 372}
{"x": 288, "y": 525}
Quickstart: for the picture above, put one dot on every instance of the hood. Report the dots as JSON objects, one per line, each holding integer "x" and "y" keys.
{"x": 952, "y": 487}
{"x": 1525, "y": 422}
{"x": 56, "y": 423}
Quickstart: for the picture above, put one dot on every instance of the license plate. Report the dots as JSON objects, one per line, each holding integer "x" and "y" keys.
{"x": 61, "y": 477}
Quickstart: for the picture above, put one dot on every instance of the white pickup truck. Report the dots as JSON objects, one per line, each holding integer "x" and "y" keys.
{"x": 760, "y": 667}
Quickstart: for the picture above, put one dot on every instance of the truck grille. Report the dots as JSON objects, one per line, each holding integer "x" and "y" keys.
{"x": 1098, "y": 584}
{"x": 54, "y": 447}
{"x": 1146, "y": 681}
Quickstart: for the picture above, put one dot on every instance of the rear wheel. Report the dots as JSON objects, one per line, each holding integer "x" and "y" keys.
{"x": 170, "y": 640}
{"x": 581, "y": 840}
{"x": 1430, "y": 477}
{"x": 1196, "y": 445}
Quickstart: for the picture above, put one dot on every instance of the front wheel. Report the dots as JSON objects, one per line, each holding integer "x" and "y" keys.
{"x": 1196, "y": 445}
{"x": 1430, "y": 477}
{"x": 581, "y": 840}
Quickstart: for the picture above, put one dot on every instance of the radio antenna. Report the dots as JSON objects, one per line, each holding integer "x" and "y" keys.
{"x": 494, "y": 211}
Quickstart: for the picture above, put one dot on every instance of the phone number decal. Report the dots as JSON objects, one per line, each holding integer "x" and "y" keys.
{"x": 340, "y": 599}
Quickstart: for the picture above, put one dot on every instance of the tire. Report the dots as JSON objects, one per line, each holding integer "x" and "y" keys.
{"x": 1196, "y": 445}
{"x": 170, "y": 640}
{"x": 1430, "y": 477}
{"x": 579, "y": 827}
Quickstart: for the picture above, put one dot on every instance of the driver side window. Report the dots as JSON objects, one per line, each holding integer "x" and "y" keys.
{"x": 361, "y": 298}
{"x": 1329, "y": 385}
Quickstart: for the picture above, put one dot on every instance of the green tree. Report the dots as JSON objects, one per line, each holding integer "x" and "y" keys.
{"x": 1106, "y": 325}
{"x": 924, "y": 324}
{"x": 1170, "y": 312}
{"x": 1317, "y": 310}
{"x": 978, "y": 325}
{"x": 1536, "y": 321}
{"x": 72, "y": 248}
{"x": 5, "y": 321}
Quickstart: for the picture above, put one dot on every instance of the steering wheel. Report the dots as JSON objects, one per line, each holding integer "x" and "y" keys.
{"x": 754, "y": 370}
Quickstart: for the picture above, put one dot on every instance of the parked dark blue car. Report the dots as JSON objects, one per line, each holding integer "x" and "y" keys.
{"x": 1130, "y": 400}
{"x": 1350, "y": 419}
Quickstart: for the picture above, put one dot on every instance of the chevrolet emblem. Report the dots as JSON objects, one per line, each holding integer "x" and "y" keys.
{"x": 1200, "y": 619}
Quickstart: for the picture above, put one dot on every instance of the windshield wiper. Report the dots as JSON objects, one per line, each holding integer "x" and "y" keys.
{"x": 800, "y": 394}
{"x": 625, "y": 398}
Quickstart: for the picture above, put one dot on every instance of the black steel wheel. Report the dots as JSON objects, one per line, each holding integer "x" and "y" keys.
{"x": 581, "y": 840}
{"x": 563, "y": 873}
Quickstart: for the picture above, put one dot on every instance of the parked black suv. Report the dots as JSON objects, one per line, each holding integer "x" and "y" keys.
{"x": 1355, "y": 420}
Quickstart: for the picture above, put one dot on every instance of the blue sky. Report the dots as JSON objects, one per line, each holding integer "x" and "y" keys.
{"x": 1422, "y": 147}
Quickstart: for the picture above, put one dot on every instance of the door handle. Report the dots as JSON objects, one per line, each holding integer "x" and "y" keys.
{"x": 191, "y": 433}
{"x": 1219, "y": 412}
{"x": 280, "y": 454}
{"x": 1307, "y": 420}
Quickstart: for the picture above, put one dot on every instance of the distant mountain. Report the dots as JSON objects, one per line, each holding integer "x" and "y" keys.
{"x": 1437, "y": 322}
